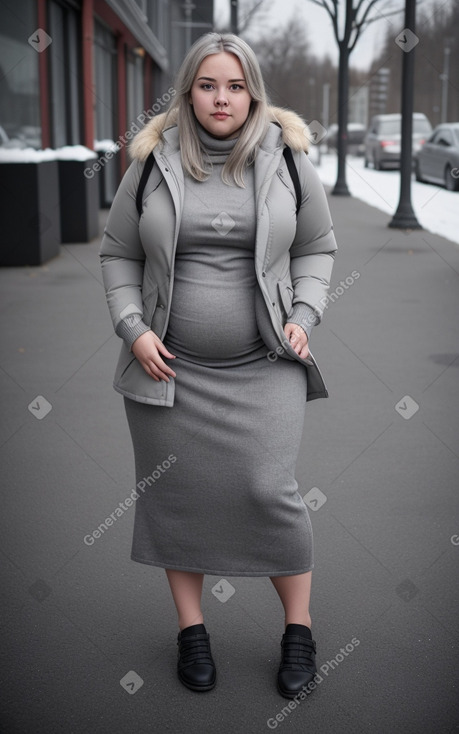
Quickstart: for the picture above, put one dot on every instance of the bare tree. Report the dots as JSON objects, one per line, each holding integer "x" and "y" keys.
{"x": 244, "y": 15}
{"x": 290, "y": 70}
{"x": 349, "y": 20}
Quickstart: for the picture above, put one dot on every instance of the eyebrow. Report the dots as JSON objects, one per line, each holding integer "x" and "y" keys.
{"x": 210, "y": 79}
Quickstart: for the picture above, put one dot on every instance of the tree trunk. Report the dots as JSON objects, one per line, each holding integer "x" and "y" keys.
{"x": 341, "y": 188}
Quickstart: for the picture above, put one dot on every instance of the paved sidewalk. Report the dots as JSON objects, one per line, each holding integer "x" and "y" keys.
{"x": 380, "y": 459}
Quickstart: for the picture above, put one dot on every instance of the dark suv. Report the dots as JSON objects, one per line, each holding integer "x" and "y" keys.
{"x": 383, "y": 139}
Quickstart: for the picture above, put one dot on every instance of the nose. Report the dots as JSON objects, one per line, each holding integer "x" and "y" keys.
{"x": 220, "y": 98}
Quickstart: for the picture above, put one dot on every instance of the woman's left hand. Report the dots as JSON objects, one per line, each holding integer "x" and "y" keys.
{"x": 298, "y": 339}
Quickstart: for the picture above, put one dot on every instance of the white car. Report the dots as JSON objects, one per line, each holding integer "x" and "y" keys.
{"x": 384, "y": 137}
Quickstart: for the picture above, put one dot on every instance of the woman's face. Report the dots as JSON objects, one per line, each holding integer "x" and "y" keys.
{"x": 219, "y": 95}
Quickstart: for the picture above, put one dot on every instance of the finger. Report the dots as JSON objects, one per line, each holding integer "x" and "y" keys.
{"x": 149, "y": 371}
{"x": 153, "y": 371}
{"x": 288, "y": 329}
{"x": 297, "y": 340}
{"x": 162, "y": 368}
{"x": 158, "y": 375}
{"x": 161, "y": 348}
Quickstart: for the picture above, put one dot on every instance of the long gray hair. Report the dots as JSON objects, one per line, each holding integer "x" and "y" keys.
{"x": 253, "y": 129}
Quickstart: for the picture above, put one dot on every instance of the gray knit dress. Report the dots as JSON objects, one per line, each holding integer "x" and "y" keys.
{"x": 219, "y": 466}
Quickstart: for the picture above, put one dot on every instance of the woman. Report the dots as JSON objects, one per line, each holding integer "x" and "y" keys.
{"x": 214, "y": 291}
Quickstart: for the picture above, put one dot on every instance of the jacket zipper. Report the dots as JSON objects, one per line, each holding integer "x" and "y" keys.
{"x": 169, "y": 169}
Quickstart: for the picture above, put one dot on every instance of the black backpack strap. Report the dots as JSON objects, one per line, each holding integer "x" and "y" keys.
{"x": 294, "y": 176}
{"x": 149, "y": 163}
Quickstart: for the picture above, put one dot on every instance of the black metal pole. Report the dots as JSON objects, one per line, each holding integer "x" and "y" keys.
{"x": 340, "y": 188}
{"x": 404, "y": 217}
{"x": 234, "y": 23}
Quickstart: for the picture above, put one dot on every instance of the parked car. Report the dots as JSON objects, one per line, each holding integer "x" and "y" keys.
{"x": 384, "y": 137}
{"x": 438, "y": 159}
{"x": 355, "y": 138}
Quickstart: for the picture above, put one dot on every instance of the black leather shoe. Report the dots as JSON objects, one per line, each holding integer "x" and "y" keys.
{"x": 195, "y": 665}
{"x": 297, "y": 668}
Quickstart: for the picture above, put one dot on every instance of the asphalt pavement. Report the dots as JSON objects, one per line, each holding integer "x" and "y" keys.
{"x": 89, "y": 637}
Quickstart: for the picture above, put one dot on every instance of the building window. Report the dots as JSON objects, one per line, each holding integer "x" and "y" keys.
{"x": 159, "y": 20}
{"x": 20, "y": 122}
{"x": 134, "y": 83}
{"x": 105, "y": 83}
{"x": 65, "y": 92}
{"x": 143, "y": 4}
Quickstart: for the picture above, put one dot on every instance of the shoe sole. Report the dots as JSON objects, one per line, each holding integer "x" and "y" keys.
{"x": 290, "y": 694}
{"x": 197, "y": 688}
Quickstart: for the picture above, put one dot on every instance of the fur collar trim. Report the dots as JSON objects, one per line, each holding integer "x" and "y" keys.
{"x": 295, "y": 132}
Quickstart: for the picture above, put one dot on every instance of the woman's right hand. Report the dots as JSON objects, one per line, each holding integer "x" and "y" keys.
{"x": 148, "y": 348}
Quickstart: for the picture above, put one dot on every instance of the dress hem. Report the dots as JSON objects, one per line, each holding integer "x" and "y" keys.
{"x": 208, "y": 572}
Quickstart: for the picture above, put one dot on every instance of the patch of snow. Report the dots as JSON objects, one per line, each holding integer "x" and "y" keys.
{"x": 26, "y": 155}
{"x": 105, "y": 145}
{"x": 436, "y": 208}
{"x": 75, "y": 153}
{"x": 30, "y": 155}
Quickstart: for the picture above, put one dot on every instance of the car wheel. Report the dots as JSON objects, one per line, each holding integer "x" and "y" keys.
{"x": 451, "y": 182}
{"x": 417, "y": 172}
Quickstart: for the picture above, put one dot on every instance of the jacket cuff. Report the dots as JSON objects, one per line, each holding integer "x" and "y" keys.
{"x": 130, "y": 332}
{"x": 304, "y": 316}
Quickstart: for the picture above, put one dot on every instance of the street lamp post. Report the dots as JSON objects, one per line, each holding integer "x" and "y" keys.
{"x": 444, "y": 84}
{"x": 325, "y": 116}
{"x": 340, "y": 188}
{"x": 234, "y": 19}
{"x": 404, "y": 217}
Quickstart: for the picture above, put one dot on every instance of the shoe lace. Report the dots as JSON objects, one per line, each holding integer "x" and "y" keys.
{"x": 297, "y": 653}
{"x": 195, "y": 648}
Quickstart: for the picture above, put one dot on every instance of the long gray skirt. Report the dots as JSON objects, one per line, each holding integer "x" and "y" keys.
{"x": 216, "y": 472}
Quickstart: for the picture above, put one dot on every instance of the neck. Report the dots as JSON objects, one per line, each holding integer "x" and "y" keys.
{"x": 213, "y": 144}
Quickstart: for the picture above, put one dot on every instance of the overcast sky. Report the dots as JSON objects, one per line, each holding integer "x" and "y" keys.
{"x": 319, "y": 30}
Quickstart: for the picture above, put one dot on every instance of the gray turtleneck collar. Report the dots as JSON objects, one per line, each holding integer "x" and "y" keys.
{"x": 215, "y": 146}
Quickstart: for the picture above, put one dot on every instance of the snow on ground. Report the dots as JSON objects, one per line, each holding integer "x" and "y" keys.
{"x": 436, "y": 209}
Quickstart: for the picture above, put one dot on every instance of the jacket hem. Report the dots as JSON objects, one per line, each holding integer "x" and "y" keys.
{"x": 164, "y": 402}
{"x": 316, "y": 395}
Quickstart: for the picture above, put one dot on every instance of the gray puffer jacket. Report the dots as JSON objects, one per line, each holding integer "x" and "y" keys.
{"x": 293, "y": 255}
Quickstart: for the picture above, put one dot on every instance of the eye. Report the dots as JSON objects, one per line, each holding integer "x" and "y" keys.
{"x": 206, "y": 85}
{"x": 236, "y": 86}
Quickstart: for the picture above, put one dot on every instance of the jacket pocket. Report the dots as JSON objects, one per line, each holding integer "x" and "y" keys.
{"x": 132, "y": 381}
{"x": 316, "y": 384}
{"x": 149, "y": 303}
{"x": 285, "y": 292}
{"x": 125, "y": 360}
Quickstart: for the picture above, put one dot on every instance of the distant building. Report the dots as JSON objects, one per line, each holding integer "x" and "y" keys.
{"x": 379, "y": 92}
{"x": 358, "y": 105}
{"x": 81, "y": 71}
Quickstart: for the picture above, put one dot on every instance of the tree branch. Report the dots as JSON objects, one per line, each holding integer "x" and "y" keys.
{"x": 332, "y": 13}
{"x": 358, "y": 6}
{"x": 251, "y": 12}
{"x": 378, "y": 17}
{"x": 323, "y": 4}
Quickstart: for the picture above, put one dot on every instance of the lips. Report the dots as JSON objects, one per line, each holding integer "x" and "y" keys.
{"x": 220, "y": 115}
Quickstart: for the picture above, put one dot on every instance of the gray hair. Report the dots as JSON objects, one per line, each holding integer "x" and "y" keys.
{"x": 253, "y": 129}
